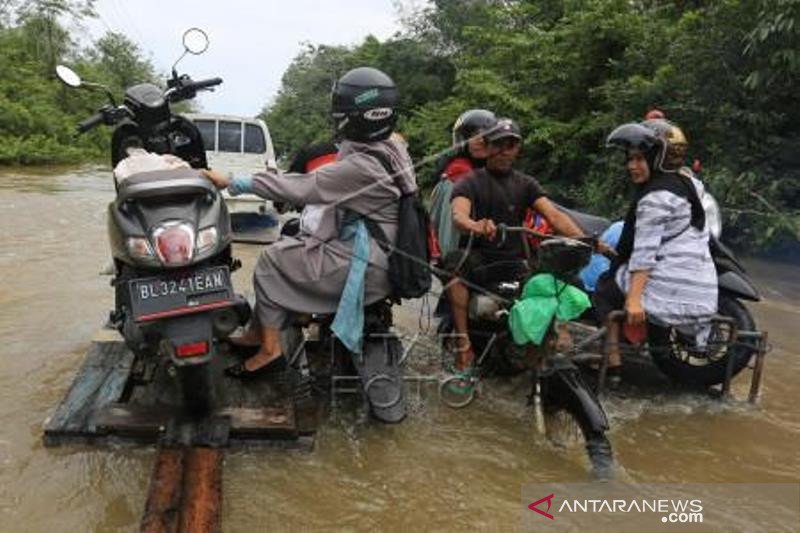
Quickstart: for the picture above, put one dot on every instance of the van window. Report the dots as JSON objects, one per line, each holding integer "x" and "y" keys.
{"x": 230, "y": 136}
{"x": 254, "y": 142}
{"x": 208, "y": 130}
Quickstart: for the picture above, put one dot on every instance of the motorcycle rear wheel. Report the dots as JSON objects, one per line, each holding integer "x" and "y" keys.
{"x": 197, "y": 388}
{"x": 706, "y": 369}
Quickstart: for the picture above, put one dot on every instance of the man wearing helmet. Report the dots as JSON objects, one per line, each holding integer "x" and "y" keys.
{"x": 307, "y": 273}
{"x": 490, "y": 196}
{"x": 663, "y": 273}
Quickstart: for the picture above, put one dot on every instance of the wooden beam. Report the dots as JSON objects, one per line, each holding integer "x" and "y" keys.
{"x": 164, "y": 497}
{"x": 185, "y": 494}
{"x": 202, "y": 491}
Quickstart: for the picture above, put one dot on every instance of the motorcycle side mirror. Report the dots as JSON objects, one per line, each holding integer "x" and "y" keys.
{"x": 68, "y": 76}
{"x": 195, "y": 41}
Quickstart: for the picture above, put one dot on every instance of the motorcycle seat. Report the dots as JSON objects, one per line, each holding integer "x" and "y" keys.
{"x": 377, "y": 317}
{"x": 159, "y": 183}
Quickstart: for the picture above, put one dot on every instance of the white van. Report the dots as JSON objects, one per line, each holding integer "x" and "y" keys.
{"x": 241, "y": 145}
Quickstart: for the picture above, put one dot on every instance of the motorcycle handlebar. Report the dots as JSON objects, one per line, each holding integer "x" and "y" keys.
{"x": 503, "y": 230}
{"x": 205, "y": 84}
{"x": 91, "y": 122}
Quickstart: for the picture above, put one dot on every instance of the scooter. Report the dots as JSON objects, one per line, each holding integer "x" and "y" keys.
{"x": 170, "y": 235}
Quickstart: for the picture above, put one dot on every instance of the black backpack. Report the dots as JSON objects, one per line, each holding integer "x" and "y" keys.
{"x": 409, "y": 258}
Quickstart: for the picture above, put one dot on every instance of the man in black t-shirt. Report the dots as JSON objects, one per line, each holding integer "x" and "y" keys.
{"x": 490, "y": 196}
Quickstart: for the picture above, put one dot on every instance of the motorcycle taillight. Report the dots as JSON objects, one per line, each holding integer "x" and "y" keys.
{"x": 174, "y": 243}
{"x": 192, "y": 349}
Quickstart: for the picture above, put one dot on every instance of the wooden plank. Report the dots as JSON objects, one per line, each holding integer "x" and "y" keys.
{"x": 100, "y": 380}
{"x": 97, "y": 406}
{"x": 261, "y": 422}
{"x": 138, "y": 421}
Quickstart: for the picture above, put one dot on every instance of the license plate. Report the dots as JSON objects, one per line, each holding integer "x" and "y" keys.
{"x": 192, "y": 290}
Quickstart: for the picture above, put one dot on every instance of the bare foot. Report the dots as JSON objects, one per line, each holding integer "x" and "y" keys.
{"x": 465, "y": 355}
{"x": 250, "y": 337}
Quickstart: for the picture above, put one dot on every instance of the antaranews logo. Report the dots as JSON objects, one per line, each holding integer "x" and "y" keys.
{"x": 673, "y": 511}
{"x": 668, "y": 507}
{"x": 549, "y": 499}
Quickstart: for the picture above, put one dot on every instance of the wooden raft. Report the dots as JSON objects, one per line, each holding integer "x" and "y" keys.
{"x": 115, "y": 397}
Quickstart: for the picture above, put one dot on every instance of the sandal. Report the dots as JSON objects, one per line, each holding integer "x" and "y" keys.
{"x": 465, "y": 381}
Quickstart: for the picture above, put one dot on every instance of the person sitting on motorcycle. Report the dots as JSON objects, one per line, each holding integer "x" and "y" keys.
{"x": 469, "y": 149}
{"x": 490, "y": 196}
{"x": 307, "y": 273}
{"x": 663, "y": 273}
{"x": 468, "y": 153}
{"x": 308, "y": 159}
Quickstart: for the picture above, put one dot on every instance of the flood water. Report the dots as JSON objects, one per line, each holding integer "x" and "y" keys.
{"x": 441, "y": 469}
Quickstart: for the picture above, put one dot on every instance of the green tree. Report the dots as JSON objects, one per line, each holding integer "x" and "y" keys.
{"x": 120, "y": 61}
{"x": 300, "y": 113}
{"x": 37, "y": 113}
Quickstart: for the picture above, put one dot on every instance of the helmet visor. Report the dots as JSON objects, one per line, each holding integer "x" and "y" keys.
{"x": 630, "y": 136}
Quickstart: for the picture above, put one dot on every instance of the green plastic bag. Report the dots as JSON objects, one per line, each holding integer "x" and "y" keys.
{"x": 543, "y": 298}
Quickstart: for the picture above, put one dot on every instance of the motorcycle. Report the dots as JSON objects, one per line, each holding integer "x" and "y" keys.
{"x": 328, "y": 366}
{"x": 563, "y": 403}
{"x": 170, "y": 235}
{"x": 730, "y": 345}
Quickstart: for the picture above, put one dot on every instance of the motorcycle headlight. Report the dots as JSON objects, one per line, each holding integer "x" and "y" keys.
{"x": 174, "y": 243}
{"x": 207, "y": 239}
{"x": 713, "y": 215}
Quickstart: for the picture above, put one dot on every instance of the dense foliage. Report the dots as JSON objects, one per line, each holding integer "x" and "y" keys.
{"x": 570, "y": 70}
{"x": 567, "y": 70}
{"x": 37, "y": 113}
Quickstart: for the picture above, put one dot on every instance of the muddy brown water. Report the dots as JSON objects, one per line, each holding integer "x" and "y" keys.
{"x": 439, "y": 469}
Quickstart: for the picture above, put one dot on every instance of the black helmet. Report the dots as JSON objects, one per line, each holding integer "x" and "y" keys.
{"x": 632, "y": 135}
{"x": 363, "y": 105}
{"x": 636, "y": 136}
{"x": 471, "y": 123}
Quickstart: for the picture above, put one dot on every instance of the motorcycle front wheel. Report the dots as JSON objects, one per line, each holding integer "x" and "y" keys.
{"x": 572, "y": 415}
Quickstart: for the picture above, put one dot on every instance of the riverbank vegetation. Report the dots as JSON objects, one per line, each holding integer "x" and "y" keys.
{"x": 37, "y": 113}
{"x": 567, "y": 70}
{"x": 570, "y": 70}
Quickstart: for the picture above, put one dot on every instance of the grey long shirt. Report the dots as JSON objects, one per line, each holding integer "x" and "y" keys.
{"x": 307, "y": 273}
